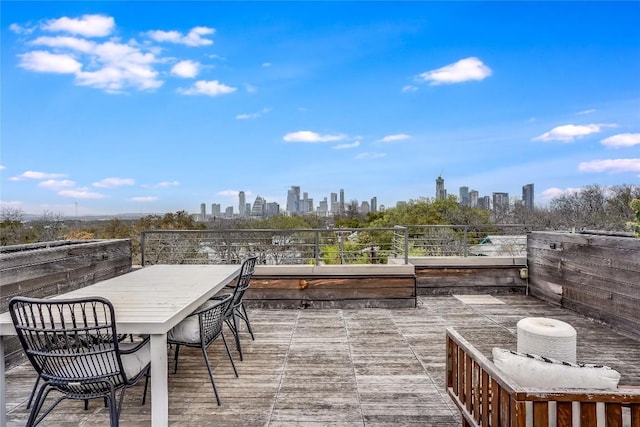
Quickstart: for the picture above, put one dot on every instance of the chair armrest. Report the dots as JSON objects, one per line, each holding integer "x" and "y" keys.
{"x": 138, "y": 346}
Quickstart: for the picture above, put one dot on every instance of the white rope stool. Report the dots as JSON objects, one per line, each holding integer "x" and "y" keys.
{"x": 547, "y": 337}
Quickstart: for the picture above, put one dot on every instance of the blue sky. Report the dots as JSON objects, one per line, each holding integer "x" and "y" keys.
{"x": 113, "y": 107}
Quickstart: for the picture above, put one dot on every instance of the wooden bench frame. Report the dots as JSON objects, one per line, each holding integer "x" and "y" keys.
{"x": 486, "y": 397}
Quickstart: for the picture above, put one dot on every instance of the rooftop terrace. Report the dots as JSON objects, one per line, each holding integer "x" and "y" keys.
{"x": 353, "y": 367}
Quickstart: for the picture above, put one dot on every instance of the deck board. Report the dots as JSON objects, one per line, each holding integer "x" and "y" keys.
{"x": 347, "y": 367}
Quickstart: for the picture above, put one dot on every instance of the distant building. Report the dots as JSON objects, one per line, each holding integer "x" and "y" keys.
{"x": 341, "y": 209}
{"x": 293, "y": 200}
{"x": 374, "y": 204}
{"x": 441, "y": 193}
{"x": 473, "y": 198}
{"x": 259, "y": 208}
{"x": 228, "y": 213}
{"x": 323, "y": 206}
{"x": 464, "y": 196}
{"x": 272, "y": 209}
{"x": 484, "y": 202}
{"x": 215, "y": 210}
{"x": 203, "y": 212}
{"x": 500, "y": 201}
{"x": 527, "y": 196}
{"x": 364, "y": 208}
{"x": 334, "y": 206}
{"x": 242, "y": 205}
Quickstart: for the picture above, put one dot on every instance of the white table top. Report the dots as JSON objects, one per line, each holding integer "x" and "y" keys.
{"x": 153, "y": 299}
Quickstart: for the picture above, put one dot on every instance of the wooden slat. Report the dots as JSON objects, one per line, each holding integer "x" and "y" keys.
{"x": 614, "y": 414}
{"x": 588, "y": 414}
{"x": 505, "y": 409}
{"x": 484, "y": 389}
{"x": 476, "y": 391}
{"x": 635, "y": 415}
{"x": 468, "y": 382}
{"x": 495, "y": 403}
{"x": 564, "y": 414}
{"x": 540, "y": 413}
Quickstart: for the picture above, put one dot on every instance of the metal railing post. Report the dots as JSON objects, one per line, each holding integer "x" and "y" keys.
{"x": 228, "y": 248}
{"x": 406, "y": 245}
{"x": 316, "y": 244}
{"x": 142, "y": 239}
{"x": 465, "y": 245}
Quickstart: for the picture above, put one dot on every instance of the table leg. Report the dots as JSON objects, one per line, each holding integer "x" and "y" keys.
{"x": 3, "y": 387}
{"x": 159, "y": 381}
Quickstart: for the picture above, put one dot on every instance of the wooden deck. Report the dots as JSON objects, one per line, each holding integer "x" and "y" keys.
{"x": 347, "y": 367}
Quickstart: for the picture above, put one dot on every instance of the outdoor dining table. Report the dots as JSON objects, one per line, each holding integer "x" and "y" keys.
{"x": 150, "y": 300}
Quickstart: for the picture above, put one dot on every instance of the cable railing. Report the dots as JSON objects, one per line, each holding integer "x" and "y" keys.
{"x": 330, "y": 246}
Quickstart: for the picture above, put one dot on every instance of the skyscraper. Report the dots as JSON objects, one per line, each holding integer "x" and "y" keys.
{"x": 464, "y": 196}
{"x": 341, "y": 201}
{"x": 203, "y": 212}
{"x": 333, "y": 204}
{"x": 293, "y": 200}
{"x": 473, "y": 198}
{"x": 374, "y": 204}
{"x": 242, "y": 206}
{"x": 259, "y": 208}
{"x": 215, "y": 210}
{"x": 527, "y": 196}
{"x": 441, "y": 193}
{"x": 500, "y": 201}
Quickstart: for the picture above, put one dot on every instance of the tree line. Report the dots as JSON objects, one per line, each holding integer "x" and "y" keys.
{"x": 595, "y": 207}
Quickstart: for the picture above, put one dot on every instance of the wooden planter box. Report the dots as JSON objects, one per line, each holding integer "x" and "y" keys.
{"x": 596, "y": 275}
{"x": 50, "y": 268}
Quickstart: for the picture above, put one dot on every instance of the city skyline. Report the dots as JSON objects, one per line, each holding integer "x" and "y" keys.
{"x": 331, "y": 206}
{"x": 122, "y": 107}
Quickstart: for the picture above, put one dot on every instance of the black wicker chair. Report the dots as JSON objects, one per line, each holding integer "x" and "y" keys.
{"x": 75, "y": 349}
{"x": 237, "y": 309}
{"x": 200, "y": 329}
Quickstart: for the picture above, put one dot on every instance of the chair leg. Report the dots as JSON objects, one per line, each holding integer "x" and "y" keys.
{"x": 224, "y": 340}
{"x": 237, "y": 336}
{"x": 245, "y": 317}
{"x": 33, "y": 392}
{"x": 213, "y": 383}
{"x": 146, "y": 385}
{"x": 175, "y": 358}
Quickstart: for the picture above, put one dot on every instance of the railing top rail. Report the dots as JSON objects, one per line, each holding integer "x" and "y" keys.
{"x": 270, "y": 230}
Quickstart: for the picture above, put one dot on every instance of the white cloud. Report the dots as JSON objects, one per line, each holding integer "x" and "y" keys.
{"x": 464, "y": 70}
{"x": 186, "y": 69}
{"x": 87, "y": 25}
{"x": 209, "y": 88}
{"x": 2, "y": 167}
{"x": 253, "y": 115}
{"x": 396, "y": 137}
{"x": 113, "y": 182}
{"x": 144, "y": 199}
{"x": 409, "y": 88}
{"x": 346, "y": 146}
{"x": 47, "y": 62}
{"x": 584, "y": 112}
{"x": 622, "y": 140}
{"x": 611, "y": 165}
{"x": 553, "y": 192}
{"x": 20, "y": 29}
{"x": 55, "y": 184}
{"x": 362, "y": 156}
{"x": 73, "y": 43}
{"x": 569, "y": 133}
{"x": 36, "y": 175}
{"x": 250, "y": 88}
{"x": 192, "y": 38}
{"x": 165, "y": 184}
{"x": 81, "y": 193}
{"x": 266, "y": 64}
{"x": 229, "y": 193}
{"x": 309, "y": 136}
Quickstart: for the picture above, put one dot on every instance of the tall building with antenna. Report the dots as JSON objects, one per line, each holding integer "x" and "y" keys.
{"x": 441, "y": 193}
